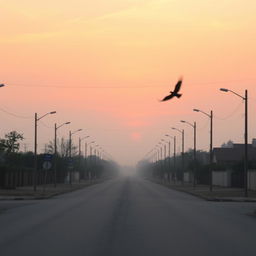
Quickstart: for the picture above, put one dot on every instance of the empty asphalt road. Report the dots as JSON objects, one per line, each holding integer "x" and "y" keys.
{"x": 126, "y": 216}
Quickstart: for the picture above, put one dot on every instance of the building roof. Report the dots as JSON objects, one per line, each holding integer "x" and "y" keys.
{"x": 233, "y": 154}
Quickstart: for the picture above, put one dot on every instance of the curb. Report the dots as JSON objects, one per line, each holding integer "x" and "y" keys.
{"x": 42, "y": 197}
{"x": 206, "y": 198}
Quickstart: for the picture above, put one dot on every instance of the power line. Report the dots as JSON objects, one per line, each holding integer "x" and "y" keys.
{"x": 231, "y": 114}
{"x": 15, "y": 115}
{"x": 126, "y": 86}
{"x": 46, "y": 126}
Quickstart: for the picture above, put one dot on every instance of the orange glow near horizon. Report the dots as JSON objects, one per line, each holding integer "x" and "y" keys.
{"x": 104, "y": 66}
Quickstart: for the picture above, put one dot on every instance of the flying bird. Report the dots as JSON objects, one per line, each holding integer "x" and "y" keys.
{"x": 175, "y": 92}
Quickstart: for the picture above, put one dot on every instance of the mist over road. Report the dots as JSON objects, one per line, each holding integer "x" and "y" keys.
{"x": 126, "y": 216}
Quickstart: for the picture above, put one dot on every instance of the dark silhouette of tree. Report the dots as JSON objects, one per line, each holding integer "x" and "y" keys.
{"x": 62, "y": 147}
{"x": 11, "y": 142}
{"x": 229, "y": 144}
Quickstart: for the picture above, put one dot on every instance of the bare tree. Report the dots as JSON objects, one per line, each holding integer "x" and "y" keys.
{"x": 62, "y": 147}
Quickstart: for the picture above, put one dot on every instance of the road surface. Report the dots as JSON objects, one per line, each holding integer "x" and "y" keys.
{"x": 126, "y": 216}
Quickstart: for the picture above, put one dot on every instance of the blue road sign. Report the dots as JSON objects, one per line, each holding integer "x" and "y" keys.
{"x": 48, "y": 157}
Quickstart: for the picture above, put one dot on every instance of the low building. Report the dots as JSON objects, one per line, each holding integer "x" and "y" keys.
{"x": 228, "y": 157}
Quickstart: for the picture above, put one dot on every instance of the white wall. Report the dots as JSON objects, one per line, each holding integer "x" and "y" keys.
{"x": 187, "y": 177}
{"x": 251, "y": 180}
{"x": 74, "y": 178}
{"x": 221, "y": 178}
{"x": 224, "y": 179}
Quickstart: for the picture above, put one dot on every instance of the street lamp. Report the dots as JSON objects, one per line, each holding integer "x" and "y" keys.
{"x": 194, "y": 128}
{"x": 55, "y": 150}
{"x": 160, "y": 157}
{"x": 211, "y": 133}
{"x": 35, "y": 147}
{"x": 174, "y": 151}
{"x": 70, "y": 142}
{"x": 157, "y": 147}
{"x": 80, "y": 140}
{"x": 155, "y": 155}
{"x": 70, "y": 150}
{"x": 94, "y": 147}
{"x": 161, "y": 150}
{"x": 245, "y": 98}
{"x": 90, "y": 160}
{"x": 182, "y": 151}
{"x": 79, "y": 147}
{"x": 164, "y": 141}
{"x": 91, "y": 147}
{"x": 169, "y": 155}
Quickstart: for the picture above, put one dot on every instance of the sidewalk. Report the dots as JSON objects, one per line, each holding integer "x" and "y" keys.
{"x": 43, "y": 192}
{"x": 219, "y": 194}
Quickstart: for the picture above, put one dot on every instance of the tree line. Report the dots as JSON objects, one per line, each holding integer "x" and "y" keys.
{"x": 16, "y": 167}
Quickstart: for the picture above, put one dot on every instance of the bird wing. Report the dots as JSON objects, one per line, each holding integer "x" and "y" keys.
{"x": 177, "y": 87}
{"x": 168, "y": 97}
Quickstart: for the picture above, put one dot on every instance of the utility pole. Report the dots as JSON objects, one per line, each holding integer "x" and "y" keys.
{"x": 246, "y": 145}
{"x": 79, "y": 147}
{"x": 85, "y": 160}
{"x": 211, "y": 156}
{"x": 85, "y": 149}
{"x": 194, "y": 151}
{"x": 70, "y": 157}
{"x": 56, "y": 151}
{"x": 55, "y": 155}
{"x": 174, "y": 157}
{"x": 35, "y": 156}
{"x": 245, "y": 98}
{"x": 195, "y": 172}
{"x": 161, "y": 156}
{"x": 169, "y": 160}
{"x": 182, "y": 175}
{"x": 182, "y": 151}
{"x": 211, "y": 134}
{"x": 164, "y": 159}
{"x": 35, "y": 147}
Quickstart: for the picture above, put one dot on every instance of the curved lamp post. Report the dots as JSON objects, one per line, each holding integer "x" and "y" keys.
{"x": 245, "y": 98}
{"x": 211, "y": 132}
{"x": 169, "y": 157}
{"x": 194, "y": 151}
{"x": 35, "y": 147}
{"x": 70, "y": 151}
{"x": 70, "y": 140}
{"x": 80, "y": 140}
{"x": 174, "y": 151}
{"x": 160, "y": 156}
{"x": 182, "y": 152}
{"x": 55, "y": 150}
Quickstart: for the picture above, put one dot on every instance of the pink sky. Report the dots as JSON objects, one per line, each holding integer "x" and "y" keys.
{"x": 103, "y": 65}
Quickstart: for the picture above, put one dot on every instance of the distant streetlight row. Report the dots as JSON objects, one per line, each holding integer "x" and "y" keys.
{"x": 158, "y": 155}
{"x": 56, "y": 127}
{"x": 99, "y": 152}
